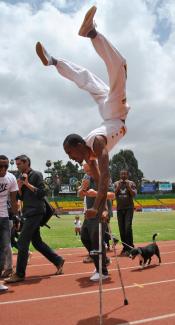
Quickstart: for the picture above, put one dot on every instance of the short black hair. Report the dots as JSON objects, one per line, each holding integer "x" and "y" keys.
{"x": 124, "y": 170}
{"x": 24, "y": 158}
{"x": 73, "y": 139}
{"x": 3, "y": 157}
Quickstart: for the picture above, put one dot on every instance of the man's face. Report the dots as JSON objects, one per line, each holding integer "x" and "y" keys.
{"x": 75, "y": 153}
{"x": 21, "y": 165}
{"x": 124, "y": 175}
{"x": 4, "y": 164}
{"x": 87, "y": 169}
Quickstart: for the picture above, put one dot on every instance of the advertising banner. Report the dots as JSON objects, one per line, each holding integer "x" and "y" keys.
{"x": 165, "y": 187}
{"x": 148, "y": 188}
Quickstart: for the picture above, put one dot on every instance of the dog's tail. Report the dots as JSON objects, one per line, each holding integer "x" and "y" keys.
{"x": 154, "y": 237}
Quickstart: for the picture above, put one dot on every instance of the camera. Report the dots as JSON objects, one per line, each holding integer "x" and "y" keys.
{"x": 22, "y": 178}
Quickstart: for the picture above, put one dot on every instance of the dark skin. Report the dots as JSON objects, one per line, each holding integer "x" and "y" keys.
{"x": 123, "y": 178}
{"x": 3, "y": 170}
{"x": 98, "y": 162}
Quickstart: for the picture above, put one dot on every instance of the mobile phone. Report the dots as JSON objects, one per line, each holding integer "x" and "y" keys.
{"x": 22, "y": 178}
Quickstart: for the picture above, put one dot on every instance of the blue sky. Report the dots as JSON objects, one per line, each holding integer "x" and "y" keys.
{"x": 39, "y": 108}
{"x": 67, "y": 6}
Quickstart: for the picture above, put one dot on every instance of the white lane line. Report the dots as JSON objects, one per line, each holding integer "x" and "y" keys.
{"x": 85, "y": 252}
{"x": 34, "y": 257}
{"x": 148, "y": 320}
{"x": 82, "y": 293}
{"x": 164, "y": 253}
{"x": 122, "y": 268}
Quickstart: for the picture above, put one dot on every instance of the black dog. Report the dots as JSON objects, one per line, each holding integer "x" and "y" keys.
{"x": 145, "y": 253}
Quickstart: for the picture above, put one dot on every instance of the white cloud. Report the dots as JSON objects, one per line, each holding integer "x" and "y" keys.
{"x": 39, "y": 108}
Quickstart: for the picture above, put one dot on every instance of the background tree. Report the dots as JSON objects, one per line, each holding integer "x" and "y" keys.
{"x": 125, "y": 159}
{"x": 65, "y": 173}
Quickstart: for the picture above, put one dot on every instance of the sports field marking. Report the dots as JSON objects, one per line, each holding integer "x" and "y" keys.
{"x": 122, "y": 268}
{"x": 81, "y": 248}
{"x": 164, "y": 253}
{"x": 148, "y": 320}
{"x": 40, "y": 256}
{"x": 10, "y": 302}
{"x": 139, "y": 285}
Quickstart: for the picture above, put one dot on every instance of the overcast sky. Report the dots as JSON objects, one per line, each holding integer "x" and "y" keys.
{"x": 38, "y": 107}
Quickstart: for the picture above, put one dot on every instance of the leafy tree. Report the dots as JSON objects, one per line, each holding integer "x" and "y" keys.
{"x": 65, "y": 171}
{"x": 125, "y": 159}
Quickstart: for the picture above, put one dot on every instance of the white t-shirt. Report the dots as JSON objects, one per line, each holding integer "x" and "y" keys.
{"x": 77, "y": 223}
{"x": 8, "y": 184}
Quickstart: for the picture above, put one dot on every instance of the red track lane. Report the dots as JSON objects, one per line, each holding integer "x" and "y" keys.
{"x": 72, "y": 299}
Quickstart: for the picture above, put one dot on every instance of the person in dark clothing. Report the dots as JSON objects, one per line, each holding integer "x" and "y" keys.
{"x": 107, "y": 235}
{"x": 15, "y": 232}
{"x": 125, "y": 190}
{"x": 31, "y": 193}
{"x": 90, "y": 227}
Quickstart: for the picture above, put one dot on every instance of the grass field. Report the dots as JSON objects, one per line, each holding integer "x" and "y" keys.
{"x": 62, "y": 233}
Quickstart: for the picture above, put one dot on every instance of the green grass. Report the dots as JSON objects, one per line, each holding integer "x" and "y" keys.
{"x": 145, "y": 225}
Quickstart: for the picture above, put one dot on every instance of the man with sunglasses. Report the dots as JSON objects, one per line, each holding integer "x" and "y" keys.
{"x": 8, "y": 191}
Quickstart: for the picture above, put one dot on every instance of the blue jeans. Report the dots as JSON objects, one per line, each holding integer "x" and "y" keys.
{"x": 4, "y": 240}
{"x": 31, "y": 233}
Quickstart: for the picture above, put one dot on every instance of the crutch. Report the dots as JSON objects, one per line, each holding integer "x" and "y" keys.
{"x": 100, "y": 274}
{"x": 118, "y": 267}
{"x": 99, "y": 253}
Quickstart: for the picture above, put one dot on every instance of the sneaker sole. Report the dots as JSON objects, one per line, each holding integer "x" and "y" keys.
{"x": 96, "y": 280}
{"x": 40, "y": 53}
{"x": 3, "y": 289}
{"x": 13, "y": 281}
{"x": 99, "y": 280}
{"x": 87, "y": 20}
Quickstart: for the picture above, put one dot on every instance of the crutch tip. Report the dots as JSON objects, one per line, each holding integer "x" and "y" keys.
{"x": 126, "y": 302}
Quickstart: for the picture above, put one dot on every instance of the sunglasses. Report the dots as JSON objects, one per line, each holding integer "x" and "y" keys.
{"x": 4, "y": 166}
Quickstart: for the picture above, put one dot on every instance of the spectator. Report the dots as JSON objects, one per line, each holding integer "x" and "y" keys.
{"x": 31, "y": 193}
{"x": 8, "y": 266}
{"x": 16, "y": 229}
{"x": 8, "y": 190}
{"x": 77, "y": 223}
{"x": 90, "y": 229}
{"x": 125, "y": 190}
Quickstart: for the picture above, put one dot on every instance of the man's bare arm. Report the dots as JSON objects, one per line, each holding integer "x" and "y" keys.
{"x": 93, "y": 193}
{"x": 101, "y": 153}
{"x": 13, "y": 201}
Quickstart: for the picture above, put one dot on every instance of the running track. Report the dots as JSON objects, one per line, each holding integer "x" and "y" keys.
{"x": 71, "y": 299}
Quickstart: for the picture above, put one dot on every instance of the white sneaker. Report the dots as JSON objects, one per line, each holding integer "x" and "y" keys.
{"x": 43, "y": 55}
{"x": 94, "y": 271}
{"x": 96, "y": 277}
{"x": 3, "y": 288}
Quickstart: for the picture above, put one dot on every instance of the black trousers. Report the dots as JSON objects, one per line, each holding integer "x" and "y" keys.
{"x": 31, "y": 233}
{"x": 125, "y": 218}
{"x": 90, "y": 239}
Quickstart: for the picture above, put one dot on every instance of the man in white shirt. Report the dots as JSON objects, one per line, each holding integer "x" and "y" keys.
{"x": 111, "y": 101}
{"x": 8, "y": 190}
